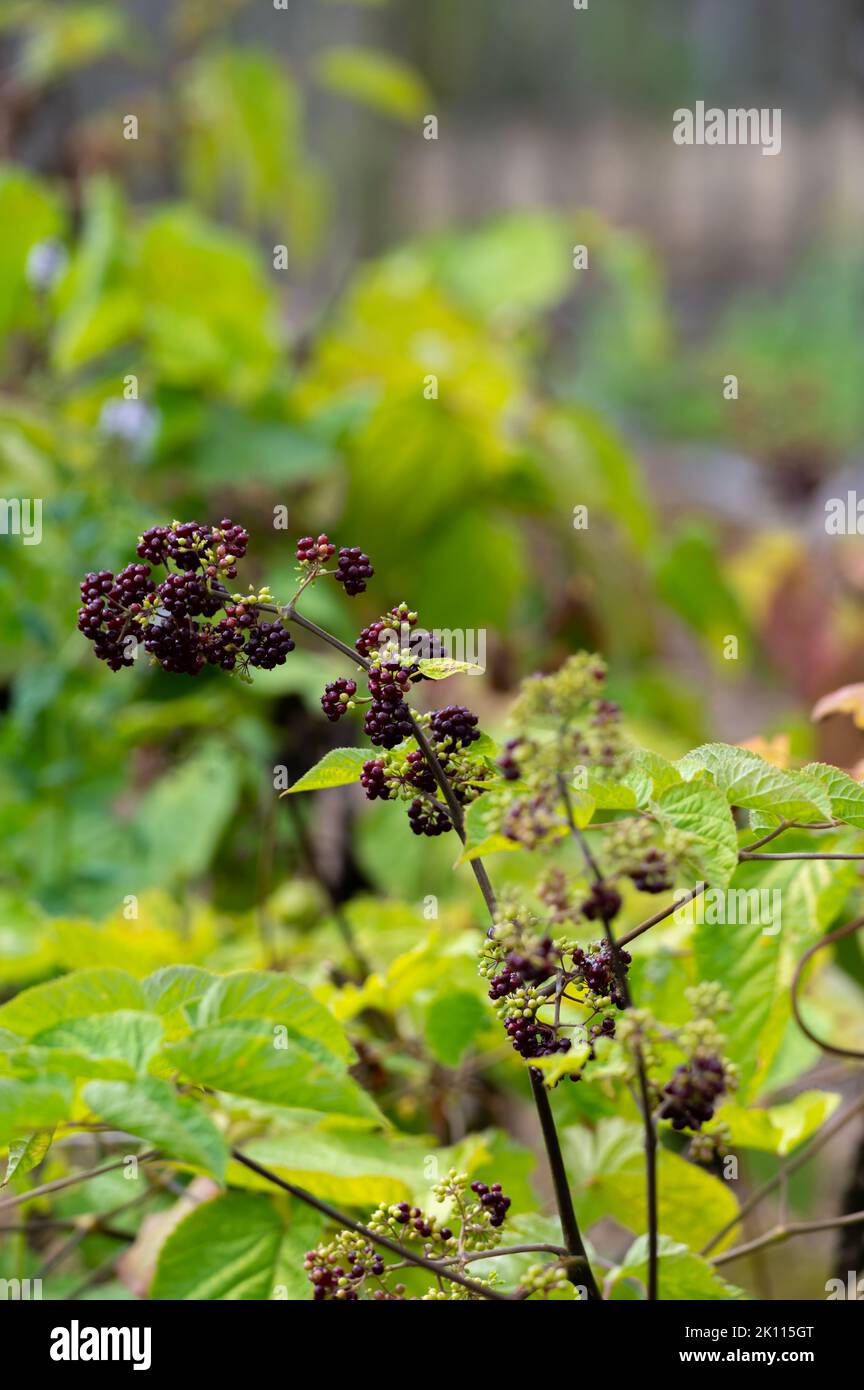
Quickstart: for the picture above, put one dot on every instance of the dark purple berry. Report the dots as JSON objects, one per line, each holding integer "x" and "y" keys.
{"x": 353, "y": 569}
{"x": 454, "y": 725}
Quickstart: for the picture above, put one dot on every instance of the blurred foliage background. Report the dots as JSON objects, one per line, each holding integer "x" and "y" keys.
{"x": 277, "y": 262}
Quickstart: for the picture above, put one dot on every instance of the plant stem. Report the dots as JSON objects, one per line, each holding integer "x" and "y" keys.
{"x": 565, "y": 1204}
{"x": 579, "y": 1269}
{"x": 649, "y": 1129}
{"x": 434, "y": 1267}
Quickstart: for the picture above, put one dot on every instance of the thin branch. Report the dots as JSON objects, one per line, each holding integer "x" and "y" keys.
{"x": 781, "y": 1233}
{"x": 822, "y": 1137}
{"x": 853, "y": 1053}
{"x": 661, "y": 915}
{"x": 72, "y": 1180}
{"x": 815, "y": 854}
{"x": 514, "y": 1250}
{"x": 433, "y": 1266}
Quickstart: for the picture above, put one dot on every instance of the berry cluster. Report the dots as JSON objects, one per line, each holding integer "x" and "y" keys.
{"x": 507, "y": 763}
{"x": 314, "y": 552}
{"x": 109, "y": 610}
{"x": 396, "y": 620}
{"x": 403, "y": 773}
{"x": 603, "y": 902}
{"x": 695, "y": 1087}
{"x": 338, "y": 698}
{"x": 652, "y": 875}
{"x": 119, "y": 613}
{"x": 349, "y": 1267}
{"x": 494, "y": 1200}
{"x": 329, "y": 1279}
{"x": 352, "y": 569}
{"x": 529, "y": 1035}
{"x": 597, "y": 969}
{"x": 388, "y": 719}
{"x": 454, "y": 726}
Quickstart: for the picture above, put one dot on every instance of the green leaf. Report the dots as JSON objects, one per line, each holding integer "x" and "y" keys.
{"x": 182, "y": 816}
{"x": 453, "y": 1020}
{"x": 25, "y": 1154}
{"x": 609, "y": 795}
{"x": 28, "y": 1105}
{"x": 780, "y": 1128}
{"x": 260, "y": 995}
{"x": 661, "y": 772}
{"x": 682, "y": 1275}
{"x": 150, "y": 1109}
{"x": 690, "y": 578}
{"x": 702, "y": 812}
{"x": 125, "y": 1036}
{"x": 510, "y": 268}
{"x": 376, "y": 79}
{"x": 608, "y": 1172}
{"x": 195, "y": 339}
{"x": 84, "y": 992}
{"x": 225, "y": 1249}
{"x": 750, "y": 781}
{"x": 745, "y": 962}
{"x": 336, "y": 769}
{"x": 175, "y": 985}
{"x": 438, "y": 668}
{"x": 347, "y": 1165}
{"x": 847, "y": 795}
{"x": 248, "y": 1057}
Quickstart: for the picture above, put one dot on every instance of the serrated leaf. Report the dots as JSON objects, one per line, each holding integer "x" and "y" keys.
{"x": 267, "y": 1062}
{"x": 175, "y": 985}
{"x": 151, "y": 1110}
{"x": 263, "y": 995}
{"x": 682, "y": 1275}
{"x": 661, "y": 772}
{"x": 702, "y": 812}
{"x": 77, "y": 995}
{"x": 125, "y": 1036}
{"x": 225, "y": 1249}
{"x": 749, "y": 781}
{"x": 337, "y": 768}
{"x": 847, "y": 795}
